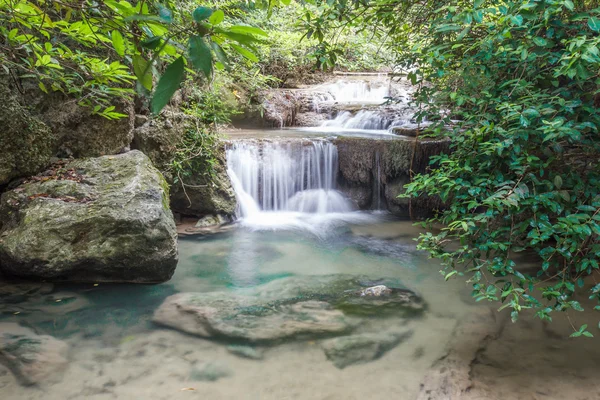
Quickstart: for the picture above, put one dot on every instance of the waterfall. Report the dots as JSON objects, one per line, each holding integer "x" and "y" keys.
{"x": 355, "y": 91}
{"x": 369, "y": 120}
{"x": 291, "y": 177}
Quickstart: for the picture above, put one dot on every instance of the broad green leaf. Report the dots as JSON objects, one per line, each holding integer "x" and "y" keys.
{"x": 286, "y": 2}
{"x": 244, "y": 52}
{"x": 200, "y": 55}
{"x": 247, "y": 30}
{"x": 167, "y": 85}
{"x": 165, "y": 14}
{"x": 217, "y": 17}
{"x": 221, "y": 56}
{"x": 141, "y": 17}
{"x": 151, "y": 43}
{"x": 142, "y": 71}
{"x": 558, "y": 181}
{"x": 594, "y": 24}
{"x": 202, "y": 13}
{"x": 118, "y": 42}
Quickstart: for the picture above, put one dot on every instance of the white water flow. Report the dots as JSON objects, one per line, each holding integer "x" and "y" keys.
{"x": 356, "y": 91}
{"x": 292, "y": 184}
{"x": 364, "y": 119}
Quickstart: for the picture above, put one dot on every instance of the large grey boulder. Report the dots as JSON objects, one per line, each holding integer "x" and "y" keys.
{"x": 104, "y": 219}
{"x": 32, "y": 358}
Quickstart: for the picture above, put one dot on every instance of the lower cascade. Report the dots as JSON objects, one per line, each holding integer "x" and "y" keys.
{"x": 292, "y": 176}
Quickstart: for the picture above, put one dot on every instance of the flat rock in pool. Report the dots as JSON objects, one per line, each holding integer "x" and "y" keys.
{"x": 208, "y": 315}
{"x": 357, "y": 349}
{"x": 32, "y": 358}
{"x": 292, "y": 307}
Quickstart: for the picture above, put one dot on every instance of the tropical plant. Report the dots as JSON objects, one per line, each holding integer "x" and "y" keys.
{"x": 515, "y": 87}
{"x": 94, "y": 51}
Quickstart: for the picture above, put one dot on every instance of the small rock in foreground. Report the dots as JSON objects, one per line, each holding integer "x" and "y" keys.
{"x": 32, "y": 358}
{"x": 357, "y": 349}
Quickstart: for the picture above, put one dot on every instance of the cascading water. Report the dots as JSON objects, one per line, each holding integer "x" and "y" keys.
{"x": 285, "y": 177}
{"x": 367, "y": 120}
{"x": 356, "y": 91}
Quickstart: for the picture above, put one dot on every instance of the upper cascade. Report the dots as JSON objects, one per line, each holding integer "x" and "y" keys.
{"x": 356, "y": 91}
{"x": 289, "y": 176}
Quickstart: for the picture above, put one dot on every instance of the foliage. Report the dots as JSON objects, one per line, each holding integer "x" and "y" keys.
{"x": 523, "y": 175}
{"x": 196, "y": 156}
{"x": 94, "y": 51}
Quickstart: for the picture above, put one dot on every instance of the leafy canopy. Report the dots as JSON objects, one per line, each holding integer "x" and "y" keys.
{"x": 95, "y": 51}
{"x": 515, "y": 87}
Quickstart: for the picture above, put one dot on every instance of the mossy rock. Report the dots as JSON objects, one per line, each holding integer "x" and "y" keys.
{"x": 104, "y": 219}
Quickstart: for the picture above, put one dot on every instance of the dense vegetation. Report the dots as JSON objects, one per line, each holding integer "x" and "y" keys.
{"x": 515, "y": 86}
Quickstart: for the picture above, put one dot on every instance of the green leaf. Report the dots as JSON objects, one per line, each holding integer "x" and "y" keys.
{"x": 151, "y": 43}
{"x": 594, "y": 24}
{"x": 244, "y": 52}
{"x": 141, "y": 17}
{"x": 200, "y": 55}
{"x": 247, "y": 30}
{"x": 217, "y": 17}
{"x": 165, "y": 14}
{"x": 118, "y": 42}
{"x": 167, "y": 85}
{"x": 517, "y": 20}
{"x": 142, "y": 72}
{"x": 202, "y": 13}
{"x": 221, "y": 56}
{"x": 286, "y": 2}
{"x": 558, "y": 181}
{"x": 587, "y": 334}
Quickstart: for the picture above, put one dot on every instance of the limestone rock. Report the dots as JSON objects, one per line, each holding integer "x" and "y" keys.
{"x": 32, "y": 358}
{"x": 26, "y": 142}
{"x": 297, "y": 306}
{"x": 208, "y": 315}
{"x": 103, "y": 219}
{"x": 249, "y": 352}
{"x": 212, "y": 221}
{"x": 197, "y": 194}
{"x": 210, "y": 372}
{"x": 377, "y": 291}
{"x": 357, "y": 349}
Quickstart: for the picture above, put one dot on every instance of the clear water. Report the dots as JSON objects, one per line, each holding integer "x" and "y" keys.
{"x": 116, "y": 351}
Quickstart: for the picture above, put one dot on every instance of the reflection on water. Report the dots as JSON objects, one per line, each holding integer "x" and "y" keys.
{"x": 117, "y": 352}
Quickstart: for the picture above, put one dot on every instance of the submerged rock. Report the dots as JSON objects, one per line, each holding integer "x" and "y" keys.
{"x": 210, "y": 372}
{"x": 32, "y": 358}
{"x": 309, "y": 306}
{"x": 209, "y": 221}
{"x": 104, "y": 219}
{"x": 249, "y": 352}
{"x": 208, "y": 315}
{"x": 357, "y": 349}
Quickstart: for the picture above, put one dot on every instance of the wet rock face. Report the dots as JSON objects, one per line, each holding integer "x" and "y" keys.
{"x": 358, "y": 349}
{"x": 26, "y": 142}
{"x": 104, "y": 219}
{"x": 367, "y": 165}
{"x": 33, "y": 359}
{"x": 34, "y": 127}
{"x": 159, "y": 139}
{"x": 305, "y": 307}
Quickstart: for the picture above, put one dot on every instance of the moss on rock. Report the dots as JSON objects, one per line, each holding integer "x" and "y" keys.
{"x": 106, "y": 221}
